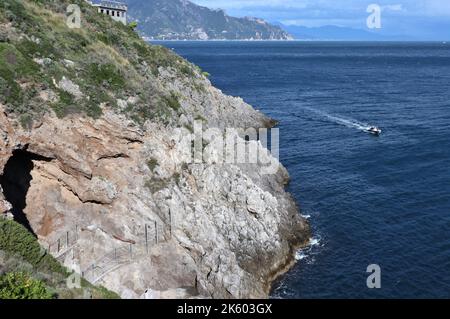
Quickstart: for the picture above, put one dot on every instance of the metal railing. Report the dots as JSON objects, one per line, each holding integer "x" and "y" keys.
{"x": 64, "y": 244}
{"x": 123, "y": 255}
{"x": 115, "y": 258}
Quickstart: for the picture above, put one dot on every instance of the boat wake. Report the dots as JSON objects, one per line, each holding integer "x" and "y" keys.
{"x": 348, "y": 122}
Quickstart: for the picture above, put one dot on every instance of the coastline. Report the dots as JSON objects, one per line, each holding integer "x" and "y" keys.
{"x": 289, "y": 261}
{"x": 149, "y": 39}
{"x": 284, "y": 267}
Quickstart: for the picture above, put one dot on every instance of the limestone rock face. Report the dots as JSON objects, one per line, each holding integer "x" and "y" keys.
{"x": 126, "y": 209}
{"x": 5, "y": 206}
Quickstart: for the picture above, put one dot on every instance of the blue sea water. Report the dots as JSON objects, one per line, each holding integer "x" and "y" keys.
{"x": 371, "y": 200}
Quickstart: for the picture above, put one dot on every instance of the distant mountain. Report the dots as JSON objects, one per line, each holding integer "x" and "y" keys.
{"x": 336, "y": 33}
{"x": 184, "y": 20}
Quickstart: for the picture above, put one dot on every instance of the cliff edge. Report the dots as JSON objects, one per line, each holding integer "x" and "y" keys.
{"x": 96, "y": 129}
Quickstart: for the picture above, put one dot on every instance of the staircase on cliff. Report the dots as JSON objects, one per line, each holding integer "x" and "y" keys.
{"x": 117, "y": 257}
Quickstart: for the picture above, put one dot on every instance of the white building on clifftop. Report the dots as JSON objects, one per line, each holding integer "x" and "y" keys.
{"x": 116, "y": 10}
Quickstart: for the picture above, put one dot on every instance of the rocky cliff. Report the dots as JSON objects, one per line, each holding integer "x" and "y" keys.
{"x": 184, "y": 20}
{"x": 96, "y": 129}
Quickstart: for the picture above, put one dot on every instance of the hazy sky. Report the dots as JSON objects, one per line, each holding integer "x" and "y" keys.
{"x": 424, "y": 18}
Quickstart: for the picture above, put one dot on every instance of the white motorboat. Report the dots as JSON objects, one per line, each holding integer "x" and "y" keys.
{"x": 374, "y": 130}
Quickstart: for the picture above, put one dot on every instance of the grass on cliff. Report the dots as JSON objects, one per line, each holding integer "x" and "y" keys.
{"x": 105, "y": 59}
{"x": 28, "y": 271}
{"x": 16, "y": 70}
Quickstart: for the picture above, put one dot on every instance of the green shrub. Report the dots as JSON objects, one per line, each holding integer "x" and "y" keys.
{"x": 158, "y": 56}
{"x": 21, "y": 246}
{"x": 44, "y": 49}
{"x": 10, "y": 92}
{"x": 65, "y": 105}
{"x": 187, "y": 70}
{"x": 106, "y": 75}
{"x": 133, "y": 25}
{"x": 173, "y": 102}
{"x": 26, "y": 120}
{"x": 157, "y": 184}
{"x": 152, "y": 163}
{"x": 14, "y": 11}
{"x": 177, "y": 178}
{"x": 103, "y": 293}
{"x": 92, "y": 106}
{"x": 189, "y": 128}
{"x": 19, "y": 285}
{"x": 15, "y": 239}
{"x": 200, "y": 118}
{"x": 108, "y": 38}
{"x": 13, "y": 67}
{"x": 75, "y": 41}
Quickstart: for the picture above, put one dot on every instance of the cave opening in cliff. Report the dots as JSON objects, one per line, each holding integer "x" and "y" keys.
{"x": 16, "y": 181}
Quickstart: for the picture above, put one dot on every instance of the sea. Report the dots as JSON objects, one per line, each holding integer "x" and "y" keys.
{"x": 371, "y": 200}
